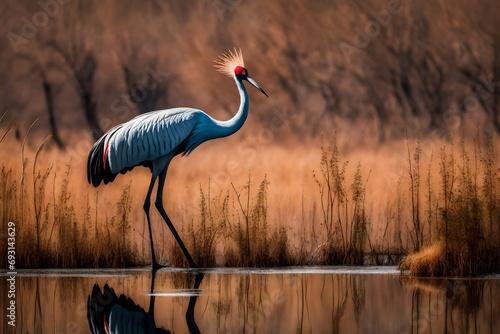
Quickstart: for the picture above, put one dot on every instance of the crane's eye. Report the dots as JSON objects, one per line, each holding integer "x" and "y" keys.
{"x": 243, "y": 72}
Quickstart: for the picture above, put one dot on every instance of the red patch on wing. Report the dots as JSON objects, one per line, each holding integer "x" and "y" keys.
{"x": 106, "y": 325}
{"x": 105, "y": 155}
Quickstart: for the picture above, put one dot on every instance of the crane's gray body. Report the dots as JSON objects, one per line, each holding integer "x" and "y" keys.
{"x": 153, "y": 135}
{"x": 156, "y": 136}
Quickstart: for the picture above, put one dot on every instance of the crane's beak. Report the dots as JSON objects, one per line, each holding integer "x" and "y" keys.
{"x": 252, "y": 81}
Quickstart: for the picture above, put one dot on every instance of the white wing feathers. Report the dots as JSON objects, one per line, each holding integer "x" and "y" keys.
{"x": 149, "y": 137}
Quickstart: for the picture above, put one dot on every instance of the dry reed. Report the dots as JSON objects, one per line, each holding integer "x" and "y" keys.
{"x": 336, "y": 219}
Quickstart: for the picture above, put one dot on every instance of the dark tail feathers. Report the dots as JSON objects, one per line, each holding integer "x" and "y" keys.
{"x": 96, "y": 171}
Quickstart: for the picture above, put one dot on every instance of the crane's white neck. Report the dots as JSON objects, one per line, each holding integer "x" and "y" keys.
{"x": 227, "y": 128}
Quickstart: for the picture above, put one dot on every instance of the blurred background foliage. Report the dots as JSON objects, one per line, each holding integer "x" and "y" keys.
{"x": 370, "y": 69}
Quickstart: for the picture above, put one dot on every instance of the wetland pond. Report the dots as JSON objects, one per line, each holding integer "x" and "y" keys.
{"x": 291, "y": 300}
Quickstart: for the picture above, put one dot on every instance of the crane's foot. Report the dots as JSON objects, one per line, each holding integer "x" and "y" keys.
{"x": 156, "y": 266}
{"x": 192, "y": 264}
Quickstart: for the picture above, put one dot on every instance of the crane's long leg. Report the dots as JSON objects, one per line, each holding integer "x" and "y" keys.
{"x": 159, "y": 206}
{"x": 191, "y": 321}
{"x": 147, "y": 204}
{"x": 153, "y": 296}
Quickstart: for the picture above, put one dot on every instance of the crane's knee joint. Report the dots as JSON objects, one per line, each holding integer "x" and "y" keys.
{"x": 146, "y": 205}
{"x": 159, "y": 205}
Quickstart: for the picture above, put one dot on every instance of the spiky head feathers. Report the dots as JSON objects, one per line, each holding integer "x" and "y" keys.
{"x": 231, "y": 63}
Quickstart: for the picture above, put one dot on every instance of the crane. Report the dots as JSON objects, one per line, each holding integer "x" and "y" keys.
{"x": 108, "y": 313}
{"x": 153, "y": 139}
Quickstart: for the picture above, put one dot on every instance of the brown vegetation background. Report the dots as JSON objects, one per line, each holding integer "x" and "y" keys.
{"x": 367, "y": 73}
{"x": 370, "y": 69}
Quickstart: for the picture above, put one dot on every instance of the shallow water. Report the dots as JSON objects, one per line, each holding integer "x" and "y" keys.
{"x": 296, "y": 300}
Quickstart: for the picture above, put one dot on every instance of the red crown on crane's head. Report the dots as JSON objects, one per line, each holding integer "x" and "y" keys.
{"x": 240, "y": 70}
{"x": 231, "y": 63}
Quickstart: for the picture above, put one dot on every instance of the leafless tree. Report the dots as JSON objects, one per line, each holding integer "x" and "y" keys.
{"x": 82, "y": 67}
{"x": 39, "y": 66}
{"x": 79, "y": 59}
{"x": 49, "y": 99}
{"x": 479, "y": 58}
{"x": 146, "y": 91}
{"x": 400, "y": 64}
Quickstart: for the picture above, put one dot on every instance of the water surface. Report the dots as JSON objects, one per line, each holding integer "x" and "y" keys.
{"x": 296, "y": 300}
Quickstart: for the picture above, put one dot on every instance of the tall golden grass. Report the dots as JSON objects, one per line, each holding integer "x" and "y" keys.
{"x": 57, "y": 225}
{"x": 464, "y": 230}
{"x": 263, "y": 209}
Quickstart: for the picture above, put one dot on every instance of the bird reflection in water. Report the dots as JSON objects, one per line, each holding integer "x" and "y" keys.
{"x": 109, "y": 313}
